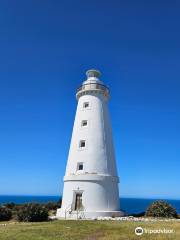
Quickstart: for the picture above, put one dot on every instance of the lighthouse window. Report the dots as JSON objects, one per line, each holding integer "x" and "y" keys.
{"x": 80, "y": 166}
{"x": 86, "y": 104}
{"x": 84, "y": 123}
{"x": 82, "y": 144}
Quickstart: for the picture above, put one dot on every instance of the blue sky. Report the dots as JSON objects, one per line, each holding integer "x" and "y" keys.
{"x": 45, "y": 49}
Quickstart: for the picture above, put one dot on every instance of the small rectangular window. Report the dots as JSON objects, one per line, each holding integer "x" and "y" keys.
{"x": 86, "y": 104}
{"x": 80, "y": 166}
{"x": 82, "y": 144}
{"x": 84, "y": 123}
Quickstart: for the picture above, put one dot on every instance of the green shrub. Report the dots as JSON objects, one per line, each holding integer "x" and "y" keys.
{"x": 52, "y": 205}
{"x": 5, "y": 213}
{"x": 32, "y": 212}
{"x": 161, "y": 208}
{"x": 9, "y": 205}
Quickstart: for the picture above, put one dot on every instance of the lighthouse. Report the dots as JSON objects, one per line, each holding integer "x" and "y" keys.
{"x": 91, "y": 179}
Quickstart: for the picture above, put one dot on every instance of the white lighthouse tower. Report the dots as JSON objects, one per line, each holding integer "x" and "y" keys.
{"x": 91, "y": 181}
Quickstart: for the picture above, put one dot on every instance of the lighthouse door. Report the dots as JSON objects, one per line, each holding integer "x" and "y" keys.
{"x": 78, "y": 201}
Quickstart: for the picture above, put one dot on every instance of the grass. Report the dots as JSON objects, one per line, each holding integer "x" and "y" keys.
{"x": 86, "y": 230}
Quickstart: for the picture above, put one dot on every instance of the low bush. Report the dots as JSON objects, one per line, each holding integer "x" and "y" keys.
{"x": 5, "y": 213}
{"x": 32, "y": 212}
{"x": 9, "y": 205}
{"x": 52, "y": 205}
{"x": 161, "y": 208}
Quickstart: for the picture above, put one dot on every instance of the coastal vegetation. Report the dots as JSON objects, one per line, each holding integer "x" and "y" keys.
{"x": 32, "y": 212}
{"x": 38, "y": 212}
{"x": 5, "y": 213}
{"x": 161, "y": 209}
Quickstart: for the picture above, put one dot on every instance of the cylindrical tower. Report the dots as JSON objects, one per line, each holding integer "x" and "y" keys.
{"x": 91, "y": 181}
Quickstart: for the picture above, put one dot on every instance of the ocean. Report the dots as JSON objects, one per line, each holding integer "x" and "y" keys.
{"x": 129, "y": 205}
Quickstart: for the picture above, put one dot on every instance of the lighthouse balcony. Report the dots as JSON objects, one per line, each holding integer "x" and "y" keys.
{"x": 92, "y": 87}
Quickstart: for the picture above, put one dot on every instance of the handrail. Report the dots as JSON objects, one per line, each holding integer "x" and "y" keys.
{"x": 69, "y": 207}
{"x": 97, "y": 85}
{"x": 77, "y": 211}
{"x": 80, "y": 211}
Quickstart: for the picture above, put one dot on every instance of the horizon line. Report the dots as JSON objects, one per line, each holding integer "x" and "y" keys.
{"x": 130, "y": 197}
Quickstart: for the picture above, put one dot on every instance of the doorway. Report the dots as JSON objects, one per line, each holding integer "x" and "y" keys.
{"x": 78, "y": 201}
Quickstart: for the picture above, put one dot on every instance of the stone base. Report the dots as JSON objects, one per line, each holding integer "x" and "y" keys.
{"x": 60, "y": 214}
